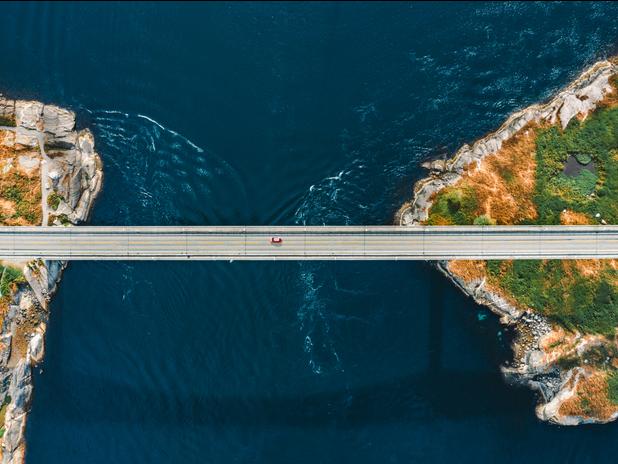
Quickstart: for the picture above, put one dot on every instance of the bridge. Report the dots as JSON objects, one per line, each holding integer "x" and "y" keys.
{"x": 309, "y": 243}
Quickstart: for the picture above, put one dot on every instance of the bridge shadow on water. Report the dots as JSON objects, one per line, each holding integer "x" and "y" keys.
{"x": 427, "y": 392}
{"x": 414, "y": 398}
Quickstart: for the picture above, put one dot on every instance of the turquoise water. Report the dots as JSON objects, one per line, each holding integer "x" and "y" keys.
{"x": 285, "y": 114}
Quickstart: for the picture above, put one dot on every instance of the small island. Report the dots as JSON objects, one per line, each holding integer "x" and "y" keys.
{"x": 50, "y": 174}
{"x": 553, "y": 163}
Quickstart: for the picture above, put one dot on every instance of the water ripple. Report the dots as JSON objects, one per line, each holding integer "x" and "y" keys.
{"x": 174, "y": 180}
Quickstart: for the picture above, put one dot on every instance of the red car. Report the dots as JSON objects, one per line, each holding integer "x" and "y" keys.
{"x": 276, "y": 240}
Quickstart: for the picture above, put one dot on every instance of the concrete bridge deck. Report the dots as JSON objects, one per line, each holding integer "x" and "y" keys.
{"x": 309, "y": 243}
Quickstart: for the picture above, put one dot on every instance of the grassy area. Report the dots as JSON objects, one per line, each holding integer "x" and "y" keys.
{"x": 53, "y": 200}
{"x": 25, "y": 194}
{"x": 484, "y": 220}
{"x": 454, "y": 206}
{"x": 587, "y": 192}
{"x": 574, "y": 297}
{"x": 555, "y": 288}
{"x": 10, "y": 277}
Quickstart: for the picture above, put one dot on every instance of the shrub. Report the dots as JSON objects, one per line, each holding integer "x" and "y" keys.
{"x": 454, "y": 206}
{"x": 53, "y": 200}
{"x": 484, "y": 220}
{"x": 494, "y": 267}
{"x": 12, "y": 193}
{"x": 9, "y": 277}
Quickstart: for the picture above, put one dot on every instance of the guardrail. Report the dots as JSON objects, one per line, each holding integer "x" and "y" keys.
{"x": 309, "y": 242}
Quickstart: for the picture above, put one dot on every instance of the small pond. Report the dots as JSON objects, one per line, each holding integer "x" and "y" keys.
{"x": 576, "y": 162}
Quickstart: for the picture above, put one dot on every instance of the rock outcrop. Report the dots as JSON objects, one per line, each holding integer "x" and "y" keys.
{"x": 531, "y": 366}
{"x": 579, "y": 98}
{"x": 70, "y": 177}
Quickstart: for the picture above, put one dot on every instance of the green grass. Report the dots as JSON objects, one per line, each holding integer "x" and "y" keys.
{"x": 18, "y": 189}
{"x": 53, "y": 200}
{"x": 587, "y": 304}
{"x": 64, "y": 219}
{"x": 8, "y": 276}
{"x": 597, "y": 138}
{"x": 584, "y": 304}
{"x": 578, "y": 187}
{"x": 12, "y": 193}
{"x": 454, "y": 206}
{"x": 22, "y": 207}
{"x": 612, "y": 383}
{"x": 484, "y": 220}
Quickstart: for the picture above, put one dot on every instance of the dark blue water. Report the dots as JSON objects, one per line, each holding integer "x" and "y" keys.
{"x": 285, "y": 114}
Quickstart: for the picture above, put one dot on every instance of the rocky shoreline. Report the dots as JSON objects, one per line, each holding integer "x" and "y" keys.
{"x": 44, "y": 139}
{"x": 531, "y": 365}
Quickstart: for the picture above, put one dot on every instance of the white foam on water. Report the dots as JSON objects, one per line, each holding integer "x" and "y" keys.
{"x": 313, "y": 318}
{"x": 171, "y": 131}
{"x": 151, "y": 120}
{"x": 126, "y": 115}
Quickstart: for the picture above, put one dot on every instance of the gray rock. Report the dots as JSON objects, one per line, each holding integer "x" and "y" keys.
{"x": 7, "y": 107}
{"x": 582, "y": 95}
{"x": 43, "y": 278}
{"x": 73, "y": 169}
{"x": 29, "y": 114}
{"x": 20, "y": 391}
{"x": 59, "y": 125}
{"x": 528, "y": 367}
{"x": 36, "y": 348}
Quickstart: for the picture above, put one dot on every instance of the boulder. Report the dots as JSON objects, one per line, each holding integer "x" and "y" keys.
{"x": 36, "y": 348}
{"x": 59, "y": 125}
{"x": 29, "y": 114}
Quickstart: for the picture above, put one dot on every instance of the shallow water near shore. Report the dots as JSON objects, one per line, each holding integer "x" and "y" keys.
{"x": 285, "y": 114}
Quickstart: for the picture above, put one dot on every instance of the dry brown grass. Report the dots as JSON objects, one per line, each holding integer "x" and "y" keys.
{"x": 554, "y": 339}
{"x": 468, "y": 270}
{"x": 7, "y": 208}
{"x": 591, "y": 268}
{"x": 504, "y": 181}
{"x": 475, "y": 270}
{"x": 19, "y": 344}
{"x": 6, "y": 138}
{"x": 27, "y": 210}
{"x": 573, "y": 218}
{"x": 591, "y": 398}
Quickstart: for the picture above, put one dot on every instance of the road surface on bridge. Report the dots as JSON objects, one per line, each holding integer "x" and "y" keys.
{"x": 309, "y": 243}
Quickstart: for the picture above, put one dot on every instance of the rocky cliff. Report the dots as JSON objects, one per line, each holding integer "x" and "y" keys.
{"x": 40, "y": 152}
{"x": 561, "y": 363}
